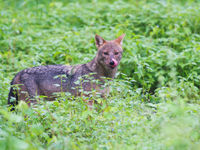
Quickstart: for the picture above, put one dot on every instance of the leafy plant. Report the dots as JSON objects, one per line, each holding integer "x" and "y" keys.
{"x": 154, "y": 100}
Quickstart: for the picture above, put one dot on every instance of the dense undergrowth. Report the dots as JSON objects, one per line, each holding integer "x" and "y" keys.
{"x": 153, "y": 102}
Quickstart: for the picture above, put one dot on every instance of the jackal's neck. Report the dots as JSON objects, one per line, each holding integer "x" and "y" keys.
{"x": 96, "y": 67}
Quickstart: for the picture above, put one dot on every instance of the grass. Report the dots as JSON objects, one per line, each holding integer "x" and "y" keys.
{"x": 154, "y": 101}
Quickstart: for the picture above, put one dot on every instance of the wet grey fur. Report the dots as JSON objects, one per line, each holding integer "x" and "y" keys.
{"x": 50, "y": 79}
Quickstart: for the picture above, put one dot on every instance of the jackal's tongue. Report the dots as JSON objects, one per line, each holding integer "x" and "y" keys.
{"x": 115, "y": 63}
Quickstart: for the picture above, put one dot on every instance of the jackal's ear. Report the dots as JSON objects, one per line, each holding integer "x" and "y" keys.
{"x": 99, "y": 41}
{"x": 119, "y": 40}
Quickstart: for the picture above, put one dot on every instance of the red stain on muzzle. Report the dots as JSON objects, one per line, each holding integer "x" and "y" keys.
{"x": 115, "y": 63}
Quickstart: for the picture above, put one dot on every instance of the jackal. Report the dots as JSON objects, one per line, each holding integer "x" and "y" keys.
{"x": 42, "y": 80}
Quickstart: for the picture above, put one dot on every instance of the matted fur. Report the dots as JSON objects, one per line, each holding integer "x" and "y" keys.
{"x": 45, "y": 80}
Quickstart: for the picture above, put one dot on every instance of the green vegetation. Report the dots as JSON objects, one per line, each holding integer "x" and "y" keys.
{"x": 153, "y": 103}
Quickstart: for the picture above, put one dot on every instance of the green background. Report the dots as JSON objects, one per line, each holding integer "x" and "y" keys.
{"x": 154, "y": 100}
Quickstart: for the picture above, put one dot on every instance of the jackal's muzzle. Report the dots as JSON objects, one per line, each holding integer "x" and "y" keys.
{"x": 113, "y": 63}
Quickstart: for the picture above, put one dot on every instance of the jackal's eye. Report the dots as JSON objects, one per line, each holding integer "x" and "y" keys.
{"x": 105, "y": 53}
{"x": 116, "y": 53}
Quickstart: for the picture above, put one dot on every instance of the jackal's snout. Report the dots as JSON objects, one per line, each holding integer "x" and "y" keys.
{"x": 113, "y": 63}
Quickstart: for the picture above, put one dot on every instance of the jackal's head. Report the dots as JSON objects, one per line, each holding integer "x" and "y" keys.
{"x": 109, "y": 52}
